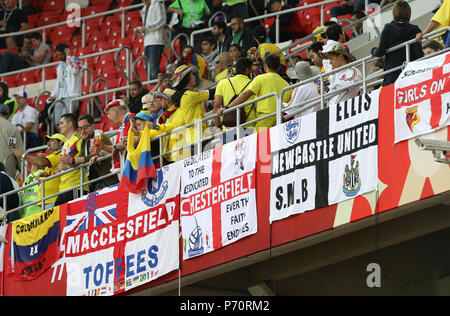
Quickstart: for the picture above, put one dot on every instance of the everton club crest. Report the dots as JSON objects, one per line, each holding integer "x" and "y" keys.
{"x": 292, "y": 130}
{"x": 352, "y": 181}
{"x": 157, "y": 189}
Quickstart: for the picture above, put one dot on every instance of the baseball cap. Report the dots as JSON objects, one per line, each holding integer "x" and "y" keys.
{"x": 61, "y": 137}
{"x": 142, "y": 116}
{"x": 4, "y": 109}
{"x": 21, "y": 93}
{"x": 113, "y": 103}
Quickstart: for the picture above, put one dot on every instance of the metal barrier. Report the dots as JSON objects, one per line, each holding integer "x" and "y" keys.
{"x": 46, "y": 179}
{"x": 278, "y": 113}
{"x": 311, "y": 36}
{"x": 276, "y": 15}
{"x": 81, "y": 20}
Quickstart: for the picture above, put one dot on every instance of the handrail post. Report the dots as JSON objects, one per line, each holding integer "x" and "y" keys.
{"x": 42, "y": 194}
{"x": 364, "y": 77}
{"x": 161, "y": 160}
{"x": 83, "y": 34}
{"x": 322, "y": 87}
{"x": 279, "y": 98}
{"x": 199, "y": 135}
{"x": 277, "y": 29}
{"x": 238, "y": 123}
{"x": 322, "y": 15}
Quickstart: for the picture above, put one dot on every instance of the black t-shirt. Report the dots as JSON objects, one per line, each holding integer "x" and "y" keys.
{"x": 136, "y": 102}
{"x": 13, "y": 19}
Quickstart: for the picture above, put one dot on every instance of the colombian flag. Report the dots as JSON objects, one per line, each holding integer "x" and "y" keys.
{"x": 34, "y": 245}
{"x": 139, "y": 164}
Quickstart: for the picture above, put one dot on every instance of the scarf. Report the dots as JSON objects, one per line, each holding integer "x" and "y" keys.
{"x": 166, "y": 114}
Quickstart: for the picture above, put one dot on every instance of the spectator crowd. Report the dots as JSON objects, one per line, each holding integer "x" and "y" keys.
{"x": 234, "y": 63}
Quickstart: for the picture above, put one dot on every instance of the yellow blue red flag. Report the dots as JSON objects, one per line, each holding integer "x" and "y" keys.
{"x": 139, "y": 166}
{"x": 35, "y": 245}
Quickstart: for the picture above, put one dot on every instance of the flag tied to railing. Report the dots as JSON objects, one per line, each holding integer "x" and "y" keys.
{"x": 139, "y": 166}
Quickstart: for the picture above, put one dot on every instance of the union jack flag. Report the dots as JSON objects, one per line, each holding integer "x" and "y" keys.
{"x": 83, "y": 221}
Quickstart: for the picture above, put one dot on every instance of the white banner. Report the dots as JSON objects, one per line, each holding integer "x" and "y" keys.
{"x": 218, "y": 203}
{"x": 422, "y": 97}
{"x": 325, "y": 157}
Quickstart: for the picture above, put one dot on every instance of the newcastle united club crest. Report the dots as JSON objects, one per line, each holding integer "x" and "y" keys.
{"x": 292, "y": 130}
{"x": 157, "y": 189}
{"x": 352, "y": 181}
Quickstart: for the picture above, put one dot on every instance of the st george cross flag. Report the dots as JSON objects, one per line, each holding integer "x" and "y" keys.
{"x": 114, "y": 240}
{"x": 139, "y": 166}
{"x": 218, "y": 197}
{"x": 324, "y": 157}
{"x": 422, "y": 97}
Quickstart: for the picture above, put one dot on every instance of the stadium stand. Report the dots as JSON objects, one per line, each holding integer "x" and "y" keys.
{"x": 112, "y": 55}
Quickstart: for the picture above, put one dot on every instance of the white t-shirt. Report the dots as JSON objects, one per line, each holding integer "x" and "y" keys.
{"x": 343, "y": 79}
{"x": 27, "y": 115}
{"x": 301, "y": 94}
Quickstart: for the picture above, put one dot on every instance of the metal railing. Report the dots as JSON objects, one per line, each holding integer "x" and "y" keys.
{"x": 277, "y": 18}
{"x": 42, "y": 182}
{"x": 364, "y": 84}
{"x": 78, "y": 22}
{"x": 304, "y": 46}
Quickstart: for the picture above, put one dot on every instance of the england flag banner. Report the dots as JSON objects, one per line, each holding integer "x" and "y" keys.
{"x": 114, "y": 240}
{"x": 324, "y": 157}
{"x": 218, "y": 201}
{"x": 422, "y": 97}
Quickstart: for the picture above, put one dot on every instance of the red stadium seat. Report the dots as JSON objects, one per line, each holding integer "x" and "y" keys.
{"x": 83, "y": 108}
{"x": 138, "y": 51}
{"x": 114, "y": 32}
{"x": 84, "y": 51}
{"x": 53, "y": 5}
{"x": 102, "y": 46}
{"x": 95, "y": 9}
{"x": 41, "y": 102}
{"x": 120, "y": 42}
{"x": 50, "y": 73}
{"x": 47, "y": 20}
{"x": 105, "y": 60}
{"x": 11, "y": 81}
{"x": 32, "y": 20}
{"x": 112, "y": 21}
{"x": 76, "y": 42}
{"x": 95, "y": 23}
{"x": 124, "y": 3}
{"x": 268, "y": 22}
{"x": 96, "y": 37}
{"x": 28, "y": 77}
{"x": 101, "y": 2}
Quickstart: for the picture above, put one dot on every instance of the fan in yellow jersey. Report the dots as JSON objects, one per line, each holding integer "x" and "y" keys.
{"x": 440, "y": 20}
{"x": 50, "y": 163}
{"x": 190, "y": 108}
{"x": 262, "y": 85}
{"x": 227, "y": 90}
{"x": 71, "y": 150}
